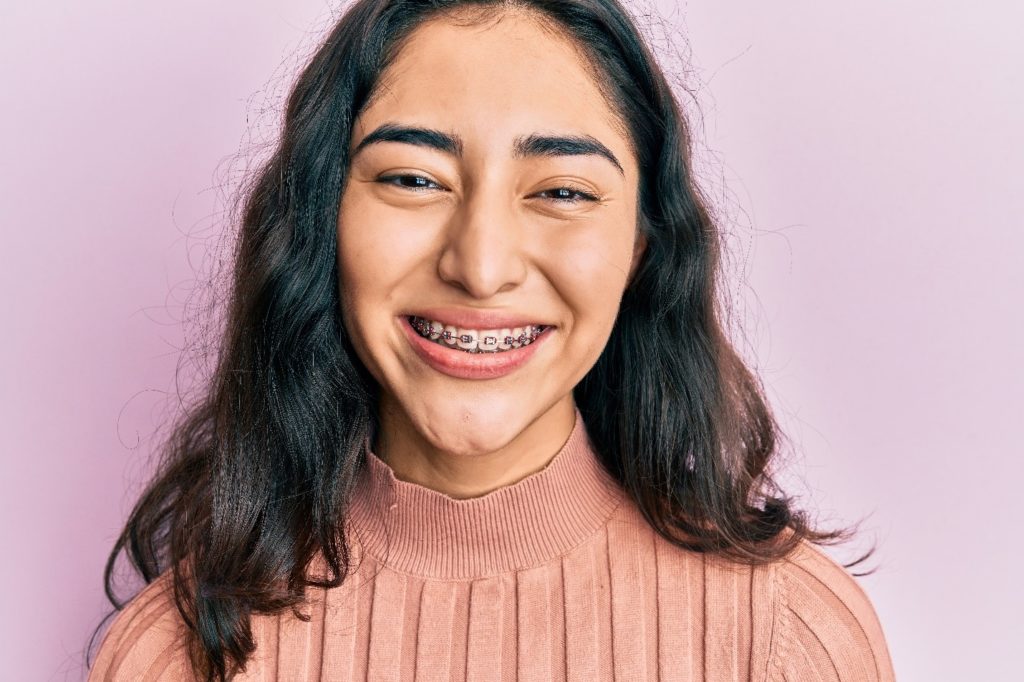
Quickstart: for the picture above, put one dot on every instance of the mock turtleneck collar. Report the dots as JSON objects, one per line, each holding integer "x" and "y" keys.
{"x": 417, "y": 530}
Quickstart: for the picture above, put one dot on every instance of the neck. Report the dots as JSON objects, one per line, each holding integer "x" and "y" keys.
{"x": 419, "y": 531}
{"x": 414, "y": 459}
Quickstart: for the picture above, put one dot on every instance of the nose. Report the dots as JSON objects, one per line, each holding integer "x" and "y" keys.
{"x": 483, "y": 249}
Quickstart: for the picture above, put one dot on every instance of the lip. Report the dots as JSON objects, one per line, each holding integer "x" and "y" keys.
{"x": 462, "y": 365}
{"x": 476, "y": 319}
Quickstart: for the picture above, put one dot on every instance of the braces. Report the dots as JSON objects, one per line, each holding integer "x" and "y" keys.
{"x": 423, "y": 327}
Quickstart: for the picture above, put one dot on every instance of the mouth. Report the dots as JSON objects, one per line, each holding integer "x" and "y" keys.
{"x": 478, "y": 354}
{"x": 500, "y": 340}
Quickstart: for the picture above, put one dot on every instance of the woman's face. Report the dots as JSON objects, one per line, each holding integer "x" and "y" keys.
{"x": 483, "y": 226}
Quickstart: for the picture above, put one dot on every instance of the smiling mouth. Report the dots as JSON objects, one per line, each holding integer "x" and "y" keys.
{"x": 474, "y": 340}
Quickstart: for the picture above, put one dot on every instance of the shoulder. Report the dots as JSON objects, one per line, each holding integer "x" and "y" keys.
{"x": 146, "y": 640}
{"x": 826, "y": 625}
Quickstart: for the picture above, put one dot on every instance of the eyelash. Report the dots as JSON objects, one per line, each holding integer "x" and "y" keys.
{"x": 583, "y": 196}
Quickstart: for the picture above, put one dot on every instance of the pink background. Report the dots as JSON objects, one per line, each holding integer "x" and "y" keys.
{"x": 866, "y": 157}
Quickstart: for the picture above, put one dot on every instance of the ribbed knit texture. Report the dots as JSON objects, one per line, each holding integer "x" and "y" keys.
{"x": 557, "y": 576}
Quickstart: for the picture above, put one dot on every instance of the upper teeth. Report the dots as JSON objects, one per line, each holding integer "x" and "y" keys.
{"x": 477, "y": 339}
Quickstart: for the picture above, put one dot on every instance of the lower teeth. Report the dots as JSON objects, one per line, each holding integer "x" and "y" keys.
{"x": 420, "y": 325}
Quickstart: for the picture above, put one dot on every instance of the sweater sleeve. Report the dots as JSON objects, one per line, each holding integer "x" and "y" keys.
{"x": 828, "y": 629}
{"x": 145, "y": 641}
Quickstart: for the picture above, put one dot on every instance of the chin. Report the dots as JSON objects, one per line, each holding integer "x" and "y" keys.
{"x": 470, "y": 429}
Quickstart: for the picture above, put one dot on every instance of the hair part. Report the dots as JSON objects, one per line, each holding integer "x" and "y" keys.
{"x": 255, "y": 481}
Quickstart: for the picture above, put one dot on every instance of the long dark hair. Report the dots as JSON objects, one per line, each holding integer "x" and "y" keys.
{"x": 255, "y": 478}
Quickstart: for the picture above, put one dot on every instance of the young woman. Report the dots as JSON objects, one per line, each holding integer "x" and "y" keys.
{"x": 475, "y": 416}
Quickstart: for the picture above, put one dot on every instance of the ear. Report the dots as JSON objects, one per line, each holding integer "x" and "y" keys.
{"x": 639, "y": 248}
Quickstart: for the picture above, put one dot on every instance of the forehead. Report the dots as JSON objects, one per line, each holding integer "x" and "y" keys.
{"x": 493, "y": 79}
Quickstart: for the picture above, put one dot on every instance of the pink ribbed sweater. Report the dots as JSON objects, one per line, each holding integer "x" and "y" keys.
{"x": 557, "y": 576}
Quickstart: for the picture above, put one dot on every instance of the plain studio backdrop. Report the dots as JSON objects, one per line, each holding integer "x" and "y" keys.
{"x": 865, "y": 159}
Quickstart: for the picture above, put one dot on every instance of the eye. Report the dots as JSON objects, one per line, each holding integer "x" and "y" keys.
{"x": 420, "y": 183}
{"x": 564, "y": 195}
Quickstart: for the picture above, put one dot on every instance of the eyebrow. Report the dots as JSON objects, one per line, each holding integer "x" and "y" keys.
{"x": 522, "y": 147}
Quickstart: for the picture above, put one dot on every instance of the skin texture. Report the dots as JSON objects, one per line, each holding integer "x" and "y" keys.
{"x": 486, "y": 231}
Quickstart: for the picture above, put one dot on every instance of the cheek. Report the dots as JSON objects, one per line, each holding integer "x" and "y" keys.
{"x": 590, "y": 269}
{"x": 375, "y": 253}
{"x": 355, "y": 285}
{"x": 357, "y": 260}
{"x": 355, "y": 244}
